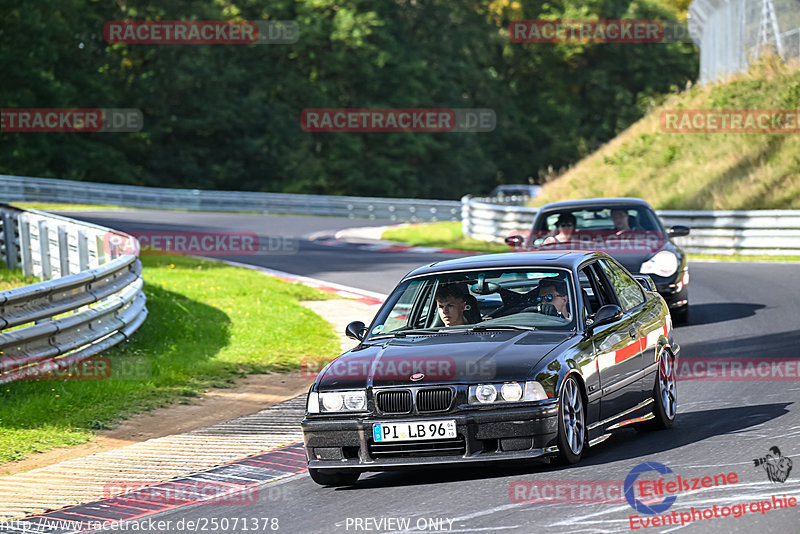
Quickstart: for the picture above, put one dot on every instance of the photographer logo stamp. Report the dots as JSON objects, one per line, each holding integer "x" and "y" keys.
{"x": 776, "y": 465}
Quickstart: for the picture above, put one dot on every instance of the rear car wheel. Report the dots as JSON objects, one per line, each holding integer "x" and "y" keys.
{"x": 571, "y": 423}
{"x": 332, "y": 477}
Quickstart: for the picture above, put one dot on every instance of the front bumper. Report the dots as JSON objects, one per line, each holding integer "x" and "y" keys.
{"x": 674, "y": 290}
{"x": 674, "y": 296}
{"x": 484, "y": 435}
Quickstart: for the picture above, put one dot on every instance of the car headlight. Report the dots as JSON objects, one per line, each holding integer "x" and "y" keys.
{"x": 355, "y": 401}
{"x": 665, "y": 263}
{"x": 508, "y": 392}
{"x": 485, "y": 393}
{"x": 336, "y": 401}
{"x": 511, "y": 392}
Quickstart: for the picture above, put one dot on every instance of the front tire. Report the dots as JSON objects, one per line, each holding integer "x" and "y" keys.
{"x": 332, "y": 477}
{"x": 571, "y": 423}
{"x": 665, "y": 394}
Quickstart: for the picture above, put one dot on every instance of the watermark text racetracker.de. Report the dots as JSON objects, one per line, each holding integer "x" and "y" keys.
{"x": 730, "y": 121}
{"x": 201, "y": 32}
{"x": 76, "y": 120}
{"x": 92, "y": 368}
{"x": 609, "y": 241}
{"x": 204, "y": 492}
{"x": 426, "y": 120}
{"x": 209, "y": 524}
{"x": 418, "y": 368}
{"x": 738, "y": 369}
{"x": 199, "y": 243}
{"x": 619, "y": 31}
{"x": 566, "y": 491}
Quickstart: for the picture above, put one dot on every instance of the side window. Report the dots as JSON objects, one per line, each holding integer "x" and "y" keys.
{"x": 423, "y": 303}
{"x": 627, "y": 289}
{"x": 594, "y": 289}
{"x": 588, "y": 285}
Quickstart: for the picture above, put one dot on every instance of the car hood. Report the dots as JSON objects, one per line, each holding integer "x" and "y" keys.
{"x": 442, "y": 358}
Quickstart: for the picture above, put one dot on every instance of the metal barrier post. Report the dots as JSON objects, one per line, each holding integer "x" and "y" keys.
{"x": 25, "y": 247}
{"x": 102, "y": 257}
{"x": 83, "y": 250}
{"x": 44, "y": 250}
{"x": 63, "y": 251}
{"x": 9, "y": 222}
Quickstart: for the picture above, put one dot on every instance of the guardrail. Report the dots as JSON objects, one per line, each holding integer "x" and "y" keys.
{"x": 773, "y": 232}
{"x": 769, "y": 232}
{"x": 15, "y": 188}
{"x": 90, "y": 297}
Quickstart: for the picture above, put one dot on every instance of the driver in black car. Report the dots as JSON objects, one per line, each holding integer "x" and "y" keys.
{"x": 553, "y": 298}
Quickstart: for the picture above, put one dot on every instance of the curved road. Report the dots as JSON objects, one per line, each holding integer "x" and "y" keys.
{"x": 738, "y": 310}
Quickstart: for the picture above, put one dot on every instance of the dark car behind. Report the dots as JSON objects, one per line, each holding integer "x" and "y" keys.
{"x": 647, "y": 248}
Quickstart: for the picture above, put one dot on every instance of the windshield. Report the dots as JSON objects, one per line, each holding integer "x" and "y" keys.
{"x": 487, "y": 299}
{"x": 612, "y": 229}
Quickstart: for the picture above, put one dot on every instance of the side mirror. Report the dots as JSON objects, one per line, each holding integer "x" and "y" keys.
{"x": 356, "y": 330}
{"x": 678, "y": 230}
{"x": 605, "y": 315}
{"x": 515, "y": 241}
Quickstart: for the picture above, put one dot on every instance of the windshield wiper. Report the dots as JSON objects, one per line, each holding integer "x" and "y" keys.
{"x": 404, "y": 333}
{"x": 486, "y": 328}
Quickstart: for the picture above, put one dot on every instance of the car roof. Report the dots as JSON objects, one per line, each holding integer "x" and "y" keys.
{"x": 590, "y": 202}
{"x": 567, "y": 259}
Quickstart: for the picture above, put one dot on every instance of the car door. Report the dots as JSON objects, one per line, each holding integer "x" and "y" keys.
{"x": 618, "y": 349}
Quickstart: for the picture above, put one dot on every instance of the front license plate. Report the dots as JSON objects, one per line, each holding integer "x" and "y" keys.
{"x": 414, "y": 430}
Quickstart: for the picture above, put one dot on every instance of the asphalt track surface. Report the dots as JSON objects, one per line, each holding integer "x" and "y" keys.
{"x": 738, "y": 310}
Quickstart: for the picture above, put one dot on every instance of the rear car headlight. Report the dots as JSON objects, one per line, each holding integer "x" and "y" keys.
{"x": 508, "y": 392}
{"x": 337, "y": 401}
{"x": 665, "y": 263}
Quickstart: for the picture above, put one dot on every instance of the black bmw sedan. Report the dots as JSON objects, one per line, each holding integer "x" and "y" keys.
{"x": 488, "y": 358}
{"x": 626, "y": 228}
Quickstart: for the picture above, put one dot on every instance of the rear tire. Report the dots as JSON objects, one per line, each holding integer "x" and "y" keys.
{"x": 571, "y": 423}
{"x": 332, "y": 477}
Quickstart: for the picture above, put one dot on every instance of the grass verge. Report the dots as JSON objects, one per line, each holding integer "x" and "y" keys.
{"x": 209, "y": 323}
{"x": 440, "y": 234}
{"x": 11, "y": 279}
{"x": 700, "y": 171}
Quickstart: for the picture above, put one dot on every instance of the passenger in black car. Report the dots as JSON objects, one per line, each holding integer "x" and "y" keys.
{"x": 553, "y": 293}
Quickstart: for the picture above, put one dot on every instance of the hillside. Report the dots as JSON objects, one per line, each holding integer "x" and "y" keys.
{"x": 700, "y": 171}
